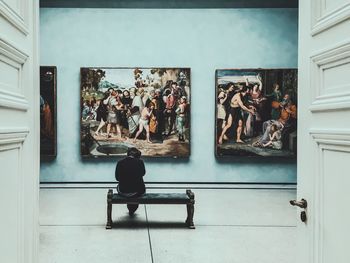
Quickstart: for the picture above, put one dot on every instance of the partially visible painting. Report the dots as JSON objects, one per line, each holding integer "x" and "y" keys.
{"x": 146, "y": 108}
{"x": 256, "y": 112}
{"x": 48, "y": 142}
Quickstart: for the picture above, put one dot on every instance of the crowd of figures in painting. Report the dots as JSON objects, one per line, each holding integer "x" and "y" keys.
{"x": 147, "y": 108}
{"x": 256, "y": 112}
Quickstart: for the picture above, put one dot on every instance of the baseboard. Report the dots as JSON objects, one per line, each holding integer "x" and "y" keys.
{"x": 181, "y": 185}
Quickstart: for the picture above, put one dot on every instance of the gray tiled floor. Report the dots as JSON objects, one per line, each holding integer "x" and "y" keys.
{"x": 232, "y": 225}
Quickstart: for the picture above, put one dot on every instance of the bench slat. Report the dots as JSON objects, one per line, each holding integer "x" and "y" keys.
{"x": 151, "y": 198}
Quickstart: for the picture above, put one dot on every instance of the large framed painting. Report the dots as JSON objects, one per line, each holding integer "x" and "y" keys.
{"x": 146, "y": 108}
{"x": 48, "y": 133}
{"x": 256, "y": 112}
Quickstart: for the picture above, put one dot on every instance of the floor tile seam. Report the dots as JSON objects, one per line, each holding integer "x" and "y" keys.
{"x": 149, "y": 235}
{"x": 247, "y": 226}
{"x": 73, "y": 225}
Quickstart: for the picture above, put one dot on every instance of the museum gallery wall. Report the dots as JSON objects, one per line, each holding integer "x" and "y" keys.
{"x": 256, "y": 112}
{"x": 200, "y": 39}
{"x": 146, "y": 108}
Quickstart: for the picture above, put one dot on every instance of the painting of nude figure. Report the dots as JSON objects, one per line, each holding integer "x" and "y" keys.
{"x": 256, "y": 112}
{"x": 146, "y": 108}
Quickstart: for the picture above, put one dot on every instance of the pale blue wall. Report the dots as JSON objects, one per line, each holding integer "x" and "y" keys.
{"x": 202, "y": 39}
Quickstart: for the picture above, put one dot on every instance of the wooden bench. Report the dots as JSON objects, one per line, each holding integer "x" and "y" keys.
{"x": 153, "y": 198}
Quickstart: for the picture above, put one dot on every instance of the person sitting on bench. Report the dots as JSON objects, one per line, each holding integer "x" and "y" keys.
{"x": 129, "y": 173}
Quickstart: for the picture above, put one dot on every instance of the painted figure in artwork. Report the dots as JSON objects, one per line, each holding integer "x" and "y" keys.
{"x": 235, "y": 115}
{"x": 101, "y": 111}
{"x": 181, "y": 118}
{"x": 274, "y": 138}
{"x": 113, "y": 118}
{"x": 170, "y": 106}
{"x": 287, "y": 119}
{"x": 47, "y": 129}
{"x": 276, "y": 97}
{"x": 144, "y": 121}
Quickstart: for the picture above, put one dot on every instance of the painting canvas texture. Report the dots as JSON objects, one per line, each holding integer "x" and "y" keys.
{"x": 146, "y": 108}
{"x": 256, "y": 112}
{"x": 48, "y": 143}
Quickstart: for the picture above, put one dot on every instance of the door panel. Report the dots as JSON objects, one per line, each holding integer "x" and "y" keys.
{"x": 10, "y": 206}
{"x": 16, "y": 12}
{"x": 324, "y": 130}
{"x": 337, "y": 216}
{"x": 331, "y": 5}
{"x": 12, "y": 62}
{"x": 331, "y": 212}
{"x": 19, "y": 131}
{"x": 331, "y": 89}
{"x": 327, "y": 13}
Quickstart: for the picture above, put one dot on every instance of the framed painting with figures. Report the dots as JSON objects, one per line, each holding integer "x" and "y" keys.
{"x": 48, "y": 127}
{"x": 146, "y": 108}
{"x": 256, "y": 112}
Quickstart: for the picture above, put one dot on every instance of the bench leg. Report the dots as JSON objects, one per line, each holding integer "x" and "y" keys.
{"x": 109, "y": 209}
{"x": 190, "y": 210}
{"x": 190, "y": 213}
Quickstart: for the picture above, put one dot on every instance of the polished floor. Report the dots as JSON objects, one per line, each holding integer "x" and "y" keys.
{"x": 232, "y": 225}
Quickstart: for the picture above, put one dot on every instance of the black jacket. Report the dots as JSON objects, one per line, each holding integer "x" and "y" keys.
{"x": 129, "y": 172}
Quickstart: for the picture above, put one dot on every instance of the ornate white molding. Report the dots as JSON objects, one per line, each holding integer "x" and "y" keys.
{"x": 325, "y": 20}
{"x": 13, "y": 17}
{"x": 13, "y": 100}
{"x": 330, "y": 58}
{"x": 15, "y": 58}
{"x": 12, "y": 138}
{"x": 331, "y": 137}
{"x": 12, "y": 52}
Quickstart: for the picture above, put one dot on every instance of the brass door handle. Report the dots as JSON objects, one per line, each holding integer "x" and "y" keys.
{"x": 302, "y": 203}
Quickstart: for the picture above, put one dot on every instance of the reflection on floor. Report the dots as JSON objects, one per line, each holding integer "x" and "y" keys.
{"x": 232, "y": 225}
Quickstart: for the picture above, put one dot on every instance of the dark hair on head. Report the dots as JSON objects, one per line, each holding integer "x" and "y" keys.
{"x": 228, "y": 85}
{"x": 168, "y": 83}
{"x": 167, "y": 92}
{"x": 182, "y": 83}
{"x": 150, "y": 104}
{"x": 244, "y": 89}
{"x": 105, "y": 95}
{"x": 134, "y": 152}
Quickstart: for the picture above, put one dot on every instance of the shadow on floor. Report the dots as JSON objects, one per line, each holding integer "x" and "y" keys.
{"x": 154, "y": 224}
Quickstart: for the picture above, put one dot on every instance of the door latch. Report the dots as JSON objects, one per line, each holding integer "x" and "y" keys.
{"x": 303, "y": 205}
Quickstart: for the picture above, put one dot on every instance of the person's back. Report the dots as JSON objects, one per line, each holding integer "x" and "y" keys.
{"x": 129, "y": 173}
